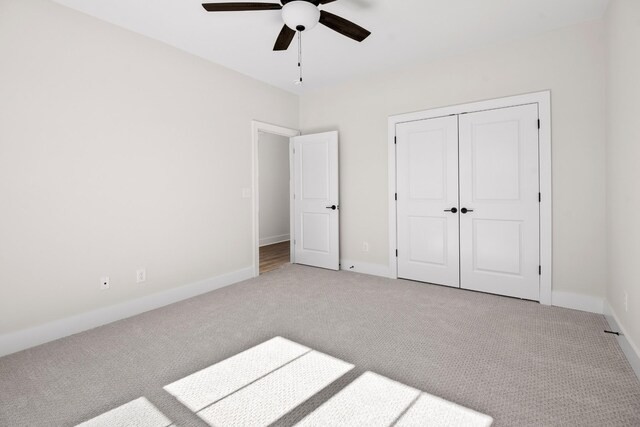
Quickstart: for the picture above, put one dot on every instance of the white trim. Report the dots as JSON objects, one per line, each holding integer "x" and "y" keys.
{"x": 577, "y": 302}
{"x": 27, "y": 338}
{"x": 256, "y": 128}
{"x": 393, "y": 188}
{"x": 546, "y": 213}
{"x": 629, "y": 348}
{"x": 380, "y": 270}
{"x": 543, "y": 99}
{"x": 266, "y": 241}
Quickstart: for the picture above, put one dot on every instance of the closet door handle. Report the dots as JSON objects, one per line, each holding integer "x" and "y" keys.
{"x": 465, "y": 210}
{"x": 332, "y": 207}
{"x": 452, "y": 210}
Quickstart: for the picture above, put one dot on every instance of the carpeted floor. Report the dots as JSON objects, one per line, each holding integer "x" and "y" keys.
{"x": 521, "y": 363}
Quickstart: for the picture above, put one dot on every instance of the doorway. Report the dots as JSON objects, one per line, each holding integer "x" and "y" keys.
{"x": 274, "y": 208}
{"x": 273, "y": 222}
{"x": 314, "y": 215}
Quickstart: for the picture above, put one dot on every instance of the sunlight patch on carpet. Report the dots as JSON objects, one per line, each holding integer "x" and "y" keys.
{"x": 211, "y": 384}
{"x": 376, "y": 401}
{"x": 263, "y": 384}
{"x": 440, "y": 412}
{"x": 137, "y": 413}
{"x": 275, "y": 395}
{"x": 370, "y": 400}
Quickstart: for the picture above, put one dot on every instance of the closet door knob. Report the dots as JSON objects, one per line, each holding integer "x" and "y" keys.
{"x": 465, "y": 210}
{"x": 332, "y": 207}
{"x": 452, "y": 210}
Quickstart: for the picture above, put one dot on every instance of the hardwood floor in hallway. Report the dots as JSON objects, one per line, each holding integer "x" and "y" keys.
{"x": 274, "y": 256}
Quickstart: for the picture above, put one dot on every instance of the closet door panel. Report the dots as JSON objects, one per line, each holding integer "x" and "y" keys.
{"x": 427, "y": 185}
{"x": 499, "y": 186}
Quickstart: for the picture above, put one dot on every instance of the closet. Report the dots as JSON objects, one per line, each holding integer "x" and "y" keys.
{"x": 468, "y": 200}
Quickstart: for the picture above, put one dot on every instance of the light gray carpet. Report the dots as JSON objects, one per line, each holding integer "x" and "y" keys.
{"x": 519, "y": 362}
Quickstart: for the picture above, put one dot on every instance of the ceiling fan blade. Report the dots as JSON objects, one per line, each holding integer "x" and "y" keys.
{"x": 284, "y": 38}
{"x": 344, "y": 27}
{"x": 315, "y": 2}
{"x": 239, "y": 7}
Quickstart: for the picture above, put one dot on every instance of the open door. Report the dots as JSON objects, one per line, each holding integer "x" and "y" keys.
{"x": 316, "y": 200}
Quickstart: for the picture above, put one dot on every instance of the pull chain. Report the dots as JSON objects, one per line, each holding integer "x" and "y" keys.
{"x": 300, "y": 55}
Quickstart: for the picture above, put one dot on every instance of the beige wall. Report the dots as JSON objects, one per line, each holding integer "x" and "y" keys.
{"x": 273, "y": 164}
{"x": 117, "y": 152}
{"x": 623, "y": 157}
{"x": 569, "y": 62}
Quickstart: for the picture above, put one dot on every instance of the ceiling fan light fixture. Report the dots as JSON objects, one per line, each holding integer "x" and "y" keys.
{"x": 300, "y": 15}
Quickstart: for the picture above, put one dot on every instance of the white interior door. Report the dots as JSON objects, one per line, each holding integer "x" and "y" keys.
{"x": 427, "y": 186}
{"x": 316, "y": 201}
{"x": 499, "y": 202}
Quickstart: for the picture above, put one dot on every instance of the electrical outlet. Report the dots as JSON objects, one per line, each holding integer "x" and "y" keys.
{"x": 141, "y": 275}
{"x": 105, "y": 283}
{"x": 365, "y": 246}
{"x": 626, "y": 302}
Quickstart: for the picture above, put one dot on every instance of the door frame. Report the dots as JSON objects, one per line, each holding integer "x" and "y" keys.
{"x": 543, "y": 99}
{"x": 256, "y": 128}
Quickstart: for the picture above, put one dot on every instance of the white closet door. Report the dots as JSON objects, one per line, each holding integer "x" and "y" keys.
{"x": 499, "y": 186}
{"x": 427, "y": 185}
{"x": 316, "y": 201}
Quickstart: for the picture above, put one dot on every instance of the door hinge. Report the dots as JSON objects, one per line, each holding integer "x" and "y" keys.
{"x": 396, "y": 197}
{"x": 294, "y": 242}
{"x": 396, "y": 253}
{"x": 539, "y": 197}
{"x": 395, "y": 139}
{"x": 539, "y": 270}
{"x": 538, "y": 123}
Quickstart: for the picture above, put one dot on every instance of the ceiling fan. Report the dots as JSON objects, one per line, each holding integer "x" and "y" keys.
{"x": 298, "y": 15}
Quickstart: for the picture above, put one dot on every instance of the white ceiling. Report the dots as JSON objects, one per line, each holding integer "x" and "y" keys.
{"x": 404, "y": 32}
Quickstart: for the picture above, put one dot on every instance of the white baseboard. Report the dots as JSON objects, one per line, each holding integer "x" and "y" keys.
{"x": 275, "y": 239}
{"x": 365, "y": 268}
{"x": 629, "y": 348}
{"x": 27, "y": 338}
{"x": 577, "y": 301}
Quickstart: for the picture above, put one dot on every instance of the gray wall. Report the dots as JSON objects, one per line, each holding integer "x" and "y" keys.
{"x": 273, "y": 161}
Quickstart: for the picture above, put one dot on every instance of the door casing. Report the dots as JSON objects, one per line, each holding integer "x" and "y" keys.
{"x": 543, "y": 101}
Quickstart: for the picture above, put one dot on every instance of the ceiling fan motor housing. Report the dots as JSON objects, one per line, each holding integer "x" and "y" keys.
{"x": 300, "y": 15}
